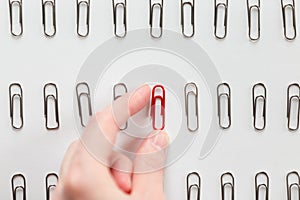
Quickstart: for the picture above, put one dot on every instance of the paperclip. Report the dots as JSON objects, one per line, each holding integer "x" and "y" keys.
{"x": 49, "y": 187}
{"x": 46, "y": 99}
{"x": 290, "y": 186}
{"x": 284, "y": 7}
{"x": 20, "y": 6}
{"x": 15, "y": 189}
{"x": 255, "y": 99}
{"x": 265, "y": 185}
{"x": 116, "y": 96}
{"x": 217, "y": 7}
{"x": 12, "y": 99}
{"x": 193, "y": 90}
{"x": 227, "y": 184}
{"x": 189, "y": 186}
{"x": 290, "y": 99}
{"x": 122, "y": 5}
{"x": 52, "y": 3}
{"x": 80, "y": 95}
{"x": 87, "y": 4}
{"x": 191, "y": 4}
{"x": 227, "y": 95}
{"x": 152, "y": 6}
{"x": 252, "y": 8}
{"x": 162, "y": 99}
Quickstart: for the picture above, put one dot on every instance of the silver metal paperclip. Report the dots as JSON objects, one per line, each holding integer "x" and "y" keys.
{"x": 80, "y": 5}
{"x": 191, "y": 89}
{"x": 116, "y": 95}
{"x": 261, "y": 186}
{"x": 218, "y": 6}
{"x": 255, "y": 99}
{"x": 152, "y": 7}
{"x": 226, "y": 94}
{"x": 19, "y": 4}
{"x": 290, "y": 99}
{"x": 191, "y": 5}
{"x": 197, "y": 185}
{"x": 47, "y": 97}
{"x": 225, "y": 184}
{"x": 284, "y": 7}
{"x": 251, "y": 9}
{"x": 21, "y": 187}
{"x": 116, "y": 6}
{"x": 290, "y": 185}
{"x": 80, "y": 95}
{"x": 52, "y": 4}
{"x": 13, "y": 96}
{"x": 50, "y": 186}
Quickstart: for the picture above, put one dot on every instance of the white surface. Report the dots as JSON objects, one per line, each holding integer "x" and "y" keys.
{"x": 34, "y": 60}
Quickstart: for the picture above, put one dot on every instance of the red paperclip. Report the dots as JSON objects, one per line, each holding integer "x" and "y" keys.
{"x": 153, "y": 106}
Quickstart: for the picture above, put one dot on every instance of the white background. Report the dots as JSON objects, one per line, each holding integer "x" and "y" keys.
{"x": 34, "y": 60}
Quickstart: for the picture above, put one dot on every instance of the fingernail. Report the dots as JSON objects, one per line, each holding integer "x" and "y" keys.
{"x": 160, "y": 141}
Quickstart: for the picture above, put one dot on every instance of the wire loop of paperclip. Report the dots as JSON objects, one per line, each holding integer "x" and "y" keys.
{"x": 290, "y": 186}
{"x": 80, "y": 95}
{"x": 49, "y": 186}
{"x": 52, "y": 3}
{"x": 17, "y": 188}
{"x": 225, "y": 23}
{"x": 191, "y": 89}
{"x": 116, "y": 96}
{"x": 251, "y": 9}
{"x": 122, "y": 5}
{"x": 290, "y": 99}
{"x": 20, "y": 7}
{"x": 259, "y": 186}
{"x": 227, "y": 95}
{"x": 225, "y": 184}
{"x": 284, "y": 8}
{"x": 46, "y": 99}
{"x": 191, "y": 4}
{"x": 255, "y": 99}
{"x": 12, "y": 99}
{"x": 152, "y": 8}
{"x": 87, "y": 4}
{"x": 189, "y": 186}
{"x": 162, "y": 99}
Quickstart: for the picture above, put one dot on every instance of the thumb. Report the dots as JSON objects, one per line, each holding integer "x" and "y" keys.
{"x": 148, "y": 175}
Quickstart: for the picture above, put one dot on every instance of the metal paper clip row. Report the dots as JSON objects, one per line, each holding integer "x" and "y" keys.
{"x": 156, "y": 27}
{"x": 193, "y": 186}
{"x": 16, "y": 100}
{"x": 18, "y": 184}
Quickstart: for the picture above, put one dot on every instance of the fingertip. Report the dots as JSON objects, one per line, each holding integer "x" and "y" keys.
{"x": 139, "y": 98}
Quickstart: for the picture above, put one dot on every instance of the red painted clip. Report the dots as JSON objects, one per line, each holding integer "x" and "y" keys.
{"x": 153, "y": 106}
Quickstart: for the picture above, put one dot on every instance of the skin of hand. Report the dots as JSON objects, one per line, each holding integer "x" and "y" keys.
{"x": 82, "y": 177}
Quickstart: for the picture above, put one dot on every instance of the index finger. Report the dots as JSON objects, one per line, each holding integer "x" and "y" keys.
{"x": 114, "y": 116}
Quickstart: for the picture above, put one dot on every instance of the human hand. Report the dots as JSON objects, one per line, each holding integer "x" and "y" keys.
{"x": 83, "y": 177}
